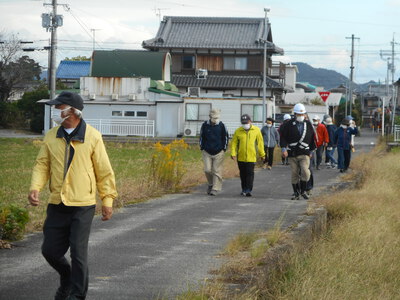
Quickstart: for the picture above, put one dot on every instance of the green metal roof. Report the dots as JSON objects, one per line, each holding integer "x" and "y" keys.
{"x": 127, "y": 63}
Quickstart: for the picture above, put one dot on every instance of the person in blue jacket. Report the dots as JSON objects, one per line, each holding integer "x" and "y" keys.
{"x": 213, "y": 142}
{"x": 342, "y": 140}
{"x": 330, "y": 149}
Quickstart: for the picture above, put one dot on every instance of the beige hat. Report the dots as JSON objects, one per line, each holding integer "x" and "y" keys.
{"x": 328, "y": 121}
{"x": 215, "y": 113}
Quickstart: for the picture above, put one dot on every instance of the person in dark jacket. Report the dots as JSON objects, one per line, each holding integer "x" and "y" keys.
{"x": 331, "y": 147}
{"x": 271, "y": 139}
{"x": 297, "y": 142}
{"x": 213, "y": 144}
{"x": 342, "y": 140}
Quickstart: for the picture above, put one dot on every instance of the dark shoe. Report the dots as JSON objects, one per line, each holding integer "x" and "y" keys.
{"x": 295, "y": 196}
{"x": 341, "y": 170}
{"x": 248, "y": 194}
{"x": 243, "y": 193}
{"x": 62, "y": 293}
{"x": 303, "y": 188}
{"x": 209, "y": 188}
{"x": 318, "y": 168}
{"x": 305, "y": 195}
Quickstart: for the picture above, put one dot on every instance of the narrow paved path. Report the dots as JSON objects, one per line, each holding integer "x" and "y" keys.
{"x": 160, "y": 248}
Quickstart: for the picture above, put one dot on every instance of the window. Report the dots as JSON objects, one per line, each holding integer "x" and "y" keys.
{"x": 235, "y": 63}
{"x": 188, "y": 62}
{"x": 129, "y": 113}
{"x": 255, "y": 111}
{"x": 141, "y": 113}
{"x": 116, "y": 113}
{"x": 197, "y": 112}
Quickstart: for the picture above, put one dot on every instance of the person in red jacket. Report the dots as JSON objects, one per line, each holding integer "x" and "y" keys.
{"x": 321, "y": 139}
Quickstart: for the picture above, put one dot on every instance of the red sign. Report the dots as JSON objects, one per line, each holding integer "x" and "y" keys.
{"x": 324, "y": 95}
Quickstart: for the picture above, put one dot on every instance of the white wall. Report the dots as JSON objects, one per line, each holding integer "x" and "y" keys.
{"x": 169, "y": 119}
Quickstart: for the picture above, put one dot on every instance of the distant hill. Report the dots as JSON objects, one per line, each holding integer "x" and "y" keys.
{"x": 326, "y": 78}
{"x": 319, "y": 77}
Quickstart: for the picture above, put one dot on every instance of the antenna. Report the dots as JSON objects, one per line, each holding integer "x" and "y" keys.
{"x": 158, "y": 10}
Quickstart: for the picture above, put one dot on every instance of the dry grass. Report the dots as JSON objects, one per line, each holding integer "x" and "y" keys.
{"x": 358, "y": 259}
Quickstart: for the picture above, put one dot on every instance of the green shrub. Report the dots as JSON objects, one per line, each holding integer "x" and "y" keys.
{"x": 12, "y": 222}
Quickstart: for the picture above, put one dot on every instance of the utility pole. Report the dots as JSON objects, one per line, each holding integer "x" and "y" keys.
{"x": 94, "y": 36}
{"x": 265, "y": 40}
{"x": 53, "y": 51}
{"x": 390, "y": 56}
{"x": 351, "y": 70}
{"x": 51, "y": 22}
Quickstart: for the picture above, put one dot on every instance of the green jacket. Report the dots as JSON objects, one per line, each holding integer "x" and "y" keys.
{"x": 75, "y": 170}
{"x": 246, "y": 144}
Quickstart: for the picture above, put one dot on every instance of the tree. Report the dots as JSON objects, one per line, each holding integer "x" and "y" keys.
{"x": 33, "y": 111}
{"x": 77, "y": 58}
{"x": 15, "y": 70}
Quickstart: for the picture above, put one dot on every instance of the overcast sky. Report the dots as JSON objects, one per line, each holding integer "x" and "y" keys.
{"x": 311, "y": 31}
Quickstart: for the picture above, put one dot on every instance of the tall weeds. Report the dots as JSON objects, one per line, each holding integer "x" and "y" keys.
{"x": 166, "y": 167}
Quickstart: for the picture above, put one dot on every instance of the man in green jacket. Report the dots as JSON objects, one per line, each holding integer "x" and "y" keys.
{"x": 246, "y": 142}
{"x": 74, "y": 161}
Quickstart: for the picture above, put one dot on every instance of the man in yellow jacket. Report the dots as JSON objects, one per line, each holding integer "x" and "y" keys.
{"x": 75, "y": 162}
{"x": 246, "y": 142}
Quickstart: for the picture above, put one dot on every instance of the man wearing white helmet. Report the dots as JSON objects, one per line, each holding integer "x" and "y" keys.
{"x": 297, "y": 143}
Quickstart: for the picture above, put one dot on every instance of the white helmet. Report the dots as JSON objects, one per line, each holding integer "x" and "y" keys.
{"x": 286, "y": 117}
{"x": 316, "y": 117}
{"x": 299, "y": 109}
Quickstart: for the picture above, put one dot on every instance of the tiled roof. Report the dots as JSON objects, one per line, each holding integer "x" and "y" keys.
{"x": 73, "y": 69}
{"x": 211, "y": 33}
{"x": 223, "y": 81}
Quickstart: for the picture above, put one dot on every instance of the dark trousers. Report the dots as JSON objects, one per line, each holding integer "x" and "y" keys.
{"x": 269, "y": 155}
{"x": 246, "y": 175}
{"x": 319, "y": 153}
{"x": 69, "y": 227}
{"x": 344, "y": 157}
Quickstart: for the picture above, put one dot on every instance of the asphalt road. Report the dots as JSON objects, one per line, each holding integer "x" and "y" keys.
{"x": 162, "y": 247}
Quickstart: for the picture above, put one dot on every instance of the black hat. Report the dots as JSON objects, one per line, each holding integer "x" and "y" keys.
{"x": 245, "y": 119}
{"x": 346, "y": 121}
{"x": 71, "y": 99}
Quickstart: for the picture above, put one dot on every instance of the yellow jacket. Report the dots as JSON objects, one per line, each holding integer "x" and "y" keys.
{"x": 246, "y": 143}
{"x": 89, "y": 168}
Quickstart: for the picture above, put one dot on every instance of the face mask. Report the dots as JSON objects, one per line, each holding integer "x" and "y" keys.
{"x": 315, "y": 123}
{"x": 214, "y": 121}
{"x": 246, "y": 126}
{"x": 269, "y": 125}
{"x": 300, "y": 119}
{"x": 56, "y": 116}
{"x": 344, "y": 126}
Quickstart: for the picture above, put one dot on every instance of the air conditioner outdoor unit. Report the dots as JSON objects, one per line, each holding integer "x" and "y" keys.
{"x": 202, "y": 73}
{"x": 194, "y": 91}
{"x": 114, "y": 97}
{"x": 190, "y": 130}
{"x": 92, "y": 96}
{"x": 131, "y": 97}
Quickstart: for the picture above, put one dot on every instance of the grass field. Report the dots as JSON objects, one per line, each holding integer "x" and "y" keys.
{"x": 131, "y": 163}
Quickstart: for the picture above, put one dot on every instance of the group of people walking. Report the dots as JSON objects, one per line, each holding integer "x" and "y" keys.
{"x": 302, "y": 141}
{"x": 74, "y": 161}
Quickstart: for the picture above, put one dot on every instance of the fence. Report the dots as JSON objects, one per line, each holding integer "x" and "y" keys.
{"x": 145, "y": 128}
{"x": 396, "y": 133}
